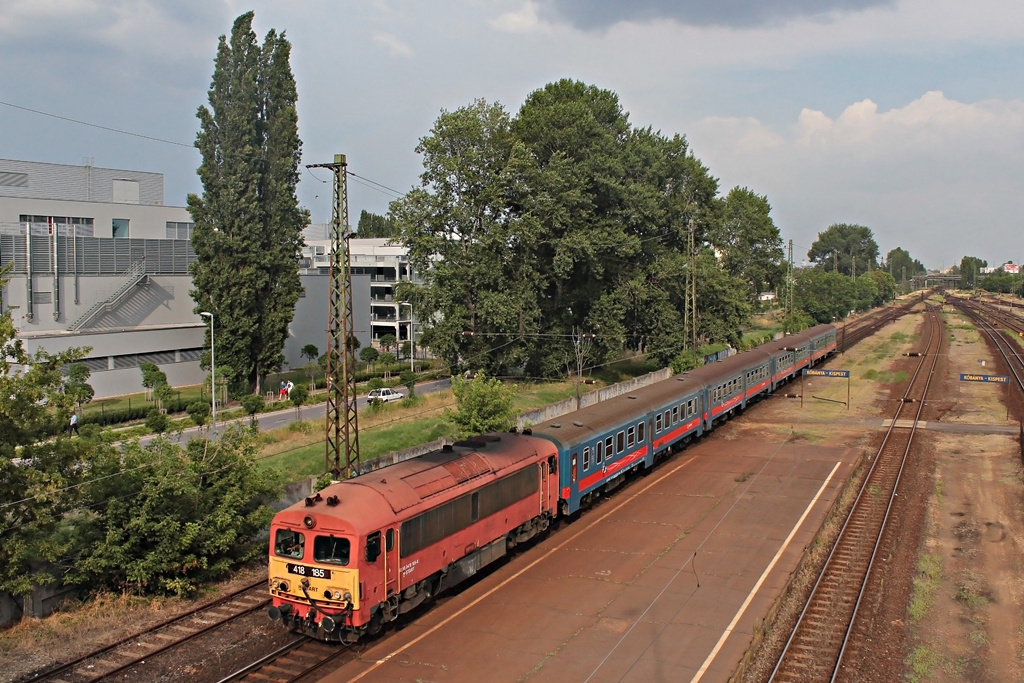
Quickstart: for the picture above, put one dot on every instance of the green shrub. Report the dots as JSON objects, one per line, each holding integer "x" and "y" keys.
{"x": 198, "y": 411}
{"x": 157, "y": 421}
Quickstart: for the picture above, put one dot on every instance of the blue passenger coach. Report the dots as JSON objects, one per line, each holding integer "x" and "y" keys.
{"x": 600, "y": 444}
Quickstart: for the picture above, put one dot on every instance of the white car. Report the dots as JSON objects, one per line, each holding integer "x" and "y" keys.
{"x": 385, "y": 395}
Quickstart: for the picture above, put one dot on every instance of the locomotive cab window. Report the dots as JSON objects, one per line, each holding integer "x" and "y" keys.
{"x": 333, "y": 550}
{"x": 373, "y": 547}
{"x": 389, "y": 540}
{"x": 288, "y": 543}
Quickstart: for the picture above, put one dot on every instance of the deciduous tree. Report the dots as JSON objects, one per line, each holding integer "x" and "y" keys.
{"x": 749, "y": 242}
{"x": 484, "y": 404}
{"x": 373, "y": 225}
{"x": 847, "y": 248}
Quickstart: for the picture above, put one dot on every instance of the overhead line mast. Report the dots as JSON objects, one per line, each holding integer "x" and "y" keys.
{"x": 342, "y": 443}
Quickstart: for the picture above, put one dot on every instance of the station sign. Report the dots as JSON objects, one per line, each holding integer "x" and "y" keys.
{"x": 827, "y": 373}
{"x": 995, "y": 379}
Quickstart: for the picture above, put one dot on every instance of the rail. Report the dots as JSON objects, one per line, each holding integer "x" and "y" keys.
{"x": 824, "y": 631}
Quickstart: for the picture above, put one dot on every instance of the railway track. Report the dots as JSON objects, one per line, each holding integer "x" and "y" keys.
{"x": 859, "y": 330}
{"x": 297, "y": 660}
{"x": 825, "y": 631}
{"x": 982, "y": 316}
{"x": 112, "y": 660}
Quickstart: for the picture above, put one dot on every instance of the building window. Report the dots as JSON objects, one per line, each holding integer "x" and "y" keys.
{"x": 180, "y": 230}
{"x": 119, "y": 227}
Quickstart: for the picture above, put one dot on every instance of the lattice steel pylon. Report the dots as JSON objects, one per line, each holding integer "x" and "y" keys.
{"x": 342, "y": 421}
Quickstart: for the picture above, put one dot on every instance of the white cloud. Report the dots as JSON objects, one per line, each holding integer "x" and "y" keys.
{"x": 919, "y": 175}
{"x": 396, "y": 48}
{"x": 523, "y": 20}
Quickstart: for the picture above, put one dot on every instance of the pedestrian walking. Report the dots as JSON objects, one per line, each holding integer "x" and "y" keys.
{"x": 73, "y": 424}
{"x": 289, "y": 387}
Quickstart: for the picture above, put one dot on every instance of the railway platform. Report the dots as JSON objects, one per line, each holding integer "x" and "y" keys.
{"x": 666, "y": 581}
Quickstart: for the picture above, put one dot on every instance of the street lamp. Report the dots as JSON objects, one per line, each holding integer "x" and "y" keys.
{"x": 412, "y": 343}
{"x": 213, "y": 371}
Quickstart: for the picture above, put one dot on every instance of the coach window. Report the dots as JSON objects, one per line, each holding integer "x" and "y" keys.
{"x": 609, "y": 451}
{"x": 600, "y": 452}
{"x": 630, "y": 437}
{"x": 640, "y": 432}
{"x": 335, "y": 550}
{"x": 657, "y": 423}
{"x": 675, "y": 414}
{"x": 620, "y": 442}
{"x": 586, "y": 458}
{"x": 288, "y": 543}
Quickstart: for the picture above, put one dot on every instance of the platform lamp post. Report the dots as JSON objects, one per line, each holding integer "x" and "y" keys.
{"x": 213, "y": 373}
{"x": 412, "y": 343}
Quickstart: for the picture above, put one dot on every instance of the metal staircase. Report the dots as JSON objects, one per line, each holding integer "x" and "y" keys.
{"x": 132, "y": 277}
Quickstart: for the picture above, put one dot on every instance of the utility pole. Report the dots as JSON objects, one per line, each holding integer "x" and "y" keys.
{"x": 693, "y": 289}
{"x": 342, "y": 429}
{"x": 789, "y": 286}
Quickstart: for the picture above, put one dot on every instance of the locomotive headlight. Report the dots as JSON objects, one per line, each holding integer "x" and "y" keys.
{"x": 327, "y": 594}
{"x": 283, "y": 586}
{"x": 347, "y": 597}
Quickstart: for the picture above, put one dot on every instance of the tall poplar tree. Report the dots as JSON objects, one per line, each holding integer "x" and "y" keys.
{"x": 248, "y": 223}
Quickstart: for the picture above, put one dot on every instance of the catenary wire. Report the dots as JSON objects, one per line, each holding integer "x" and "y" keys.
{"x": 96, "y": 125}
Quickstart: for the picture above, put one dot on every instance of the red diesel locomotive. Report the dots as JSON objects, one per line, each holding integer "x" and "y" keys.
{"x": 360, "y": 552}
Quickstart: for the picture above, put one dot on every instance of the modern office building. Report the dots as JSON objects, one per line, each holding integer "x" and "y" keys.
{"x": 99, "y": 261}
{"x": 376, "y": 268}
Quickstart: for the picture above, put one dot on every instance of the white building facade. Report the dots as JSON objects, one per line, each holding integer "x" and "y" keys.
{"x": 99, "y": 261}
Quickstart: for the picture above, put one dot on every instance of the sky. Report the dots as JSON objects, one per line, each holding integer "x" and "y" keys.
{"x": 905, "y": 116}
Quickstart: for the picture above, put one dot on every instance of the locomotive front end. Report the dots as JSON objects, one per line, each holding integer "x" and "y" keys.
{"x": 313, "y": 580}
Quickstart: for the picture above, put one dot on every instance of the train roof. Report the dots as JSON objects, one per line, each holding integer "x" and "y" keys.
{"x": 586, "y": 423}
{"x": 370, "y": 500}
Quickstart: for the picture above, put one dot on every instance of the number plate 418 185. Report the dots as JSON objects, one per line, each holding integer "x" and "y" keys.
{"x": 311, "y": 572}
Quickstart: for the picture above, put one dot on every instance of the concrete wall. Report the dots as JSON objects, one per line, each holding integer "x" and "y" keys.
{"x": 34, "y": 179}
{"x": 159, "y": 300}
{"x": 568, "y": 405}
{"x": 309, "y": 326}
{"x": 149, "y": 222}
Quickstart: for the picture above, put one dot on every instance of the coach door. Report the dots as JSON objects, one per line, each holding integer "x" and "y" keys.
{"x": 391, "y": 573}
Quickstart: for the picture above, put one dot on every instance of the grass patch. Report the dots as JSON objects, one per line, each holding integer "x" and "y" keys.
{"x": 299, "y": 450}
{"x": 970, "y": 591}
{"x": 807, "y": 437}
{"x": 743, "y": 477}
{"x": 885, "y": 376}
{"x": 929, "y": 574}
{"x": 923, "y": 664}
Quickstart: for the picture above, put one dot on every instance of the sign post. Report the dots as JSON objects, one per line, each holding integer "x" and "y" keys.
{"x": 830, "y": 373}
{"x": 987, "y": 379}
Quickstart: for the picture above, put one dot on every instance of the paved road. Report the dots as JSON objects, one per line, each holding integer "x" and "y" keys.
{"x": 287, "y": 415}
